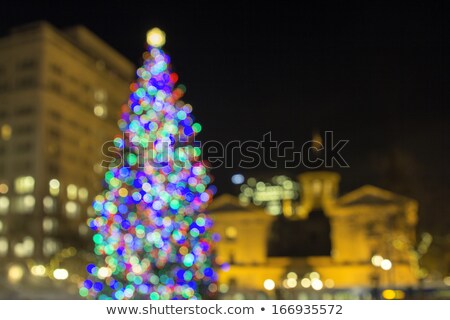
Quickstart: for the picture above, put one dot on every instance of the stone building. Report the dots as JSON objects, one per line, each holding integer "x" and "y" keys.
{"x": 348, "y": 246}
{"x": 60, "y": 98}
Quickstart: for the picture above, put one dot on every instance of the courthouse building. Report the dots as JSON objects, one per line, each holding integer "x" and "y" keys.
{"x": 355, "y": 245}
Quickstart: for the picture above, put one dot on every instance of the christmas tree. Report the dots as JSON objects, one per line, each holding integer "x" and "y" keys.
{"x": 152, "y": 238}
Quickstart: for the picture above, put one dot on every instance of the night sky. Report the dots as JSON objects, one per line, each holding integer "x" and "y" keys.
{"x": 375, "y": 73}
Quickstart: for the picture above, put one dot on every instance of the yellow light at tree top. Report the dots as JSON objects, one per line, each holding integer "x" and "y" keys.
{"x": 156, "y": 37}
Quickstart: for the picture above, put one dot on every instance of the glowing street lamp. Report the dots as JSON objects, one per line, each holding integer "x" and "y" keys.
{"x": 386, "y": 264}
{"x": 269, "y": 284}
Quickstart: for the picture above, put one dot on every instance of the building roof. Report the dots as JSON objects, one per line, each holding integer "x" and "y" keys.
{"x": 79, "y": 36}
{"x": 370, "y": 195}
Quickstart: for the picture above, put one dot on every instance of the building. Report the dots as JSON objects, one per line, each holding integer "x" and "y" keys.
{"x": 60, "y": 97}
{"x": 350, "y": 246}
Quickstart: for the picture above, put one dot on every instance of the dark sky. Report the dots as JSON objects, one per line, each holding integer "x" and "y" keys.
{"x": 375, "y": 73}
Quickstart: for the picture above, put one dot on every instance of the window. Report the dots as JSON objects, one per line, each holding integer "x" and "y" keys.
{"x": 6, "y": 132}
{"x": 53, "y": 186}
{"x": 24, "y": 129}
{"x": 25, "y": 83}
{"x": 23, "y": 204}
{"x": 26, "y": 64}
{"x": 4, "y": 188}
{"x": 55, "y": 86}
{"x": 55, "y": 115}
{"x": 49, "y": 204}
{"x": 50, "y": 247}
{"x": 53, "y": 168}
{"x": 101, "y": 111}
{"x": 73, "y": 97}
{"x": 74, "y": 80}
{"x": 24, "y": 184}
{"x": 56, "y": 69}
{"x": 231, "y": 233}
{"x": 23, "y": 111}
{"x": 72, "y": 210}
{"x": 54, "y": 133}
{"x": 87, "y": 87}
{"x": 72, "y": 192}
{"x": 24, "y": 147}
{"x": 22, "y": 166}
{"x": 4, "y": 205}
{"x": 25, "y": 248}
{"x": 100, "y": 95}
{"x": 49, "y": 225}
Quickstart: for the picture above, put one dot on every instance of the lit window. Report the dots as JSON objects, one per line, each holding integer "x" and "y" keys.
{"x": 83, "y": 194}
{"x": 6, "y": 132}
{"x": 231, "y": 233}
{"x": 24, "y": 184}
{"x": 23, "y": 204}
{"x": 50, "y": 247}
{"x": 4, "y": 205}
{"x": 100, "y": 111}
{"x": 72, "y": 209}
{"x": 3, "y": 188}
{"x": 49, "y": 225}
{"x": 53, "y": 186}
{"x": 49, "y": 204}
{"x": 72, "y": 192}
{"x": 24, "y": 249}
{"x": 15, "y": 273}
{"x": 3, "y": 247}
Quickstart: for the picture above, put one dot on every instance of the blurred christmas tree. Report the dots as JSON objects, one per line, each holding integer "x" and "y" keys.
{"x": 152, "y": 239}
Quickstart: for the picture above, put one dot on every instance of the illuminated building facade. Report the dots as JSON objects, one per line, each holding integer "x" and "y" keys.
{"x": 329, "y": 246}
{"x": 60, "y": 93}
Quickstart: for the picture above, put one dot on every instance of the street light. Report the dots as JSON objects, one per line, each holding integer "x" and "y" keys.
{"x": 376, "y": 260}
{"x": 269, "y": 284}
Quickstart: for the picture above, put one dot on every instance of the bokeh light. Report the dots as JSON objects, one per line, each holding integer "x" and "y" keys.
{"x": 156, "y": 37}
{"x": 269, "y": 284}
